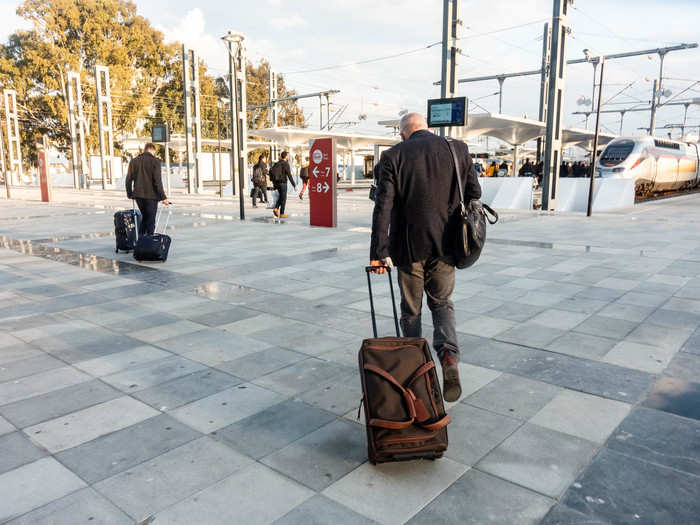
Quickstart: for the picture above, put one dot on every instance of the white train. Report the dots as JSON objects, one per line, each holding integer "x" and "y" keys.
{"x": 655, "y": 164}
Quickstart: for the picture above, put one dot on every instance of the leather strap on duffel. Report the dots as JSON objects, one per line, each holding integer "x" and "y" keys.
{"x": 416, "y": 409}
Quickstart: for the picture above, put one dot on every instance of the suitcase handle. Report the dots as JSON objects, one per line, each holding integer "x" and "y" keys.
{"x": 136, "y": 221}
{"x": 370, "y": 270}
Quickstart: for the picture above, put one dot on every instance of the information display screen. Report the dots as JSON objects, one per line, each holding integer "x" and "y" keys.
{"x": 444, "y": 112}
{"x": 159, "y": 133}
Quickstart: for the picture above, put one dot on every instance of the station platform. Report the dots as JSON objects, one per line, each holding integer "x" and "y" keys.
{"x": 222, "y": 386}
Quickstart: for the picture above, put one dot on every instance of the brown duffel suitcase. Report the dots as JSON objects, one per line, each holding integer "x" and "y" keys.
{"x": 404, "y": 413}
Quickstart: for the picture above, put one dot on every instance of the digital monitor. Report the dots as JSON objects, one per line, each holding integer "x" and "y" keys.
{"x": 159, "y": 133}
{"x": 445, "y": 112}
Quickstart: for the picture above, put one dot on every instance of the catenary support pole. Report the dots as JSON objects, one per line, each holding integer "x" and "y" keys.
{"x": 450, "y": 23}
{"x": 544, "y": 82}
{"x": 594, "y": 154}
{"x": 3, "y": 170}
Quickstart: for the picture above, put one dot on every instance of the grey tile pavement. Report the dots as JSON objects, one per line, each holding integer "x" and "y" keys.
{"x": 111, "y": 372}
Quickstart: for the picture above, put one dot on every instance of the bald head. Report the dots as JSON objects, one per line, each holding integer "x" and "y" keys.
{"x": 410, "y": 123}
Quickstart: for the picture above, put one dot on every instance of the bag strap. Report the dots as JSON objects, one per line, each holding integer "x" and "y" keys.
{"x": 490, "y": 211}
{"x": 459, "y": 179}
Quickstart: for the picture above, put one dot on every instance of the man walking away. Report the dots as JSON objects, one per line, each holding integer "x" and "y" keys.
{"x": 304, "y": 176}
{"x": 417, "y": 199}
{"x": 527, "y": 169}
{"x": 260, "y": 180}
{"x": 280, "y": 173}
{"x": 144, "y": 184}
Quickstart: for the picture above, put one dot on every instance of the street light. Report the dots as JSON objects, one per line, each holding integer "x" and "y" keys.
{"x": 594, "y": 160}
{"x": 237, "y": 155}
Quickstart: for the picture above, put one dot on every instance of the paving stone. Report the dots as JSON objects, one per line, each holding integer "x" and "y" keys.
{"x": 529, "y": 334}
{"x": 260, "y": 363}
{"x": 301, "y": 377}
{"x": 17, "y": 352}
{"x": 670, "y": 338}
{"x": 108, "y": 455}
{"x": 33, "y": 485}
{"x": 337, "y": 395}
{"x": 273, "y": 428}
{"x": 226, "y": 407}
{"x": 253, "y": 495}
{"x": 167, "y": 331}
{"x": 87, "y": 424}
{"x": 675, "y": 396}
{"x": 320, "y": 510}
{"x": 652, "y": 359}
{"x": 113, "y": 363}
{"x": 208, "y": 338}
{"x": 626, "y": 312}
{"x": 478, "y": 304}
{"x": 606, "y": 327}
{"x": 478, "y": 498}
{"x": 515, "y": 311}
{"x": 674, "y": 319}
{"x": 475, "y": 432}
{"x": 561, "y": 319}
{"x": 643, "y": 299}
{"x": 622, "y": 489}
{"x": 582, "y": 415}
{"x": 98, "y": 348}
{"x": 371, "y": 490}
{"x": 165, "y": 480}
{"x": 682, "y": 305}
{"x": 5, "y": 426}
{"x": 513, "y": 396}
{"x": 323, "y": 456}
{"x": 581, "y": 305}
{"x": 540, "y": 459}
{"x": 17, "y": 450}
{"x": 684, "y": 366}
{"x": 185, "y": 389}
{"x": 58, "y": 403}
{"x": 39, "y": 384}
{"x": 582, "y": 345}
{"x": 29, "y": 366}
{"x": 563, "y": 515}
{"x": 153, "y": 373}
{"x": 82, "y": 506}
{"x": 661, "y": 438}
{"x": 224, "y": 315}
{"x": 485, "y": 326}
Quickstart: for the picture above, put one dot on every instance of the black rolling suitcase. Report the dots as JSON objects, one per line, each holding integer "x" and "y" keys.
{"x": 405, "y": 416}
{"x": 126, "y": 229}
{"x": 154, "y": 247}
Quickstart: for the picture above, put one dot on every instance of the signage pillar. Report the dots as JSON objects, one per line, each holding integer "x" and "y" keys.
{"x": 44, "y": 178}
{"x": 322, "y": 183}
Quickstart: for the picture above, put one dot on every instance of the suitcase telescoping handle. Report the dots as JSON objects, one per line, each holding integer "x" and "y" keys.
{"x": 167, "y": 218}
{"x": 370, "y": 270}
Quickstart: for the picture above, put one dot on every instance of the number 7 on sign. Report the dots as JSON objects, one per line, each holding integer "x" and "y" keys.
{"x": 328, "y": 171}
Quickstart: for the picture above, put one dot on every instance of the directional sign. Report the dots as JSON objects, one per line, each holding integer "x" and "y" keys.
{"x": 322, "y": 184}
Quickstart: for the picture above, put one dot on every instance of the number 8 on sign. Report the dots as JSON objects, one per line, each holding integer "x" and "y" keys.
{"x": 319, "y": 188}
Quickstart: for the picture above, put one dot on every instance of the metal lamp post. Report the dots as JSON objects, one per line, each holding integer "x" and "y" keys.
{"x": 594, "y": 159}
{"x": 237, "y": 156}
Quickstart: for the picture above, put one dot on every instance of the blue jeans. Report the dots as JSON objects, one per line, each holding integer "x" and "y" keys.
{"x": 435, "y": 277}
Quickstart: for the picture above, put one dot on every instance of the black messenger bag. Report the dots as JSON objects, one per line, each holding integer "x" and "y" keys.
{"x": 470, "y": 235}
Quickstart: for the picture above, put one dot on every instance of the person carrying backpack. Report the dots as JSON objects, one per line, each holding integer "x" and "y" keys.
{"x": 260, "y": 174}
{"x": 279, "y": 174}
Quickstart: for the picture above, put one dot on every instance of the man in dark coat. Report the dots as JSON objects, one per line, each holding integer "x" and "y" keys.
{"x": 279, "y": 174}
{"x": 144, "y": 184}
{"x": 260, "y": 175}
{"x": 414, "y": 227}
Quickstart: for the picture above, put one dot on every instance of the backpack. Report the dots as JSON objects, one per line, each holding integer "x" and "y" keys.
{"x": 276, "y": 174}
{"x": 258, "y": 176}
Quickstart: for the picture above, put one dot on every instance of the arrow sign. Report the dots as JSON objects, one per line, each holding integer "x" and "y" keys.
{"x": 326, "y": 187}
{"x": 322, "y": 189}
{"x": 315, "y": 171}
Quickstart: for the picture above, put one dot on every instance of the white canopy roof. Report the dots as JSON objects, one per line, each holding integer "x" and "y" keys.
{"x": 299, "y": 137}
{"x": 517, "y": 131}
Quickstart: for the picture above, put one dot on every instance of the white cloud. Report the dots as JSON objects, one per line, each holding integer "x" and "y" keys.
{"x": 9, "y": 21}
{"x": 288, "y": 22}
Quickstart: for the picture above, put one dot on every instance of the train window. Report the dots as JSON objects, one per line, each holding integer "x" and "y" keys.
{"x": 616, "y": 152}
{"x": 666, "y": 144}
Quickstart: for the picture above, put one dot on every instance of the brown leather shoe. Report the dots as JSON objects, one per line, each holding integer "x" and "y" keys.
{"x": 276, "y": 212}
{"x": 284, "y": 216}
{"x": 450, "y": 378}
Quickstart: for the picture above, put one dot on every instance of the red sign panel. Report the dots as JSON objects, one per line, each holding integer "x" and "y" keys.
{"x": 44, "y": 181}
{"x": 322, "y": 183}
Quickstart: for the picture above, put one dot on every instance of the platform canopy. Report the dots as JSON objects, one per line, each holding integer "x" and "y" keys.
{"x": 517, "y": 131}
{"x": 300, "y": 137}
{"x": 583, "y": 138}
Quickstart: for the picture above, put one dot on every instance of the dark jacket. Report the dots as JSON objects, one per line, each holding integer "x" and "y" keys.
{"x": 263, "y": 166}
{"x": 285, "y": 173}
{"x": 417, "y": 196}
{"x": 143, "y": 180}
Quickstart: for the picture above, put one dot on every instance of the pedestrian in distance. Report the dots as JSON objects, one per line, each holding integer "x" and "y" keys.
{"x": 144, "y": 185}
{"x": 414, "y": 226}
{"x": 527, "y": 169}
{"x": 280, "y": 173}
{"x": 304, "y": 176}
{"x": 259, "y": 179}
{"x": 492, "y": 170}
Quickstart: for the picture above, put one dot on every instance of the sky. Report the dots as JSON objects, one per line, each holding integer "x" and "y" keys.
{"x": 498, "y": 36}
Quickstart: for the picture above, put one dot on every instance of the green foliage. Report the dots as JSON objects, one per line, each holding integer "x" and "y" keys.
{"x": 146, "y": 73}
